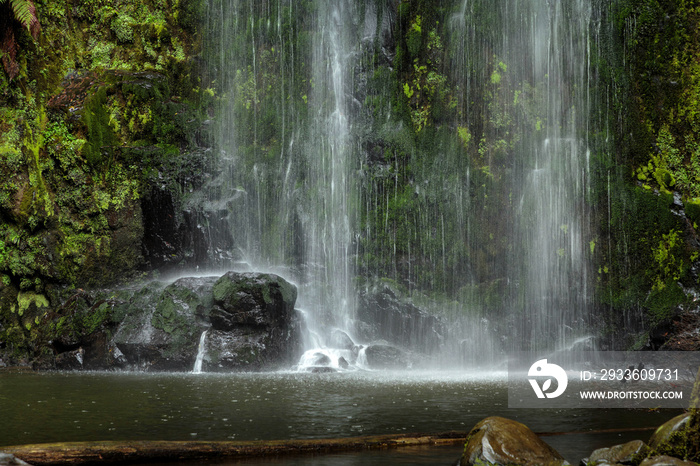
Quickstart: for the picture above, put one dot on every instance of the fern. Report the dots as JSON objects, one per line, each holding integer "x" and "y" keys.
{"x": 25, "y": 14}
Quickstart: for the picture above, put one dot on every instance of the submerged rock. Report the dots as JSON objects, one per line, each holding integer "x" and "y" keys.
{"x": 386, "y": 357}
{"x": 496, "y": 440}
{"x": 386, "y": 316}
{"x": 322, "y": 370}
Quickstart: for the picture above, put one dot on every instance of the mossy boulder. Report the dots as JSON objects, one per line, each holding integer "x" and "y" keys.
{"x": 668, "y": 429}
{"x": 157, "y": 326}
{"x": 252, "y": 299}
{"x": 496, "y": 440}
{"x": 254, "y": 323}
{"x": 678, "y": 438}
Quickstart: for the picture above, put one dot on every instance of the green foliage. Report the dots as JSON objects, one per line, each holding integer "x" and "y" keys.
{"x": 414, "y": 37}
{"x": 123, "y": 27}
{"x": 426, "y": 87}
{"x": 669, "y": 265}
{"x": 665, "y": 72}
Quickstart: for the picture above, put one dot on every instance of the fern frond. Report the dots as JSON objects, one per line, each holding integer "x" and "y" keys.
{"x": 23, "y": 12}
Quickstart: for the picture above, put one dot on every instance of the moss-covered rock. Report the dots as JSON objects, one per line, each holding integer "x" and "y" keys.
{"x": 157, "y": 326}
{"x": 252, "y": 299}
{"x": 496, "y": 440}
{"x": 665, "y": 460}
{"x": 678, "y": 437}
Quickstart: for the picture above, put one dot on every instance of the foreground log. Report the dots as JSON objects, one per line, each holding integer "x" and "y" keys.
{"x": 132, "y": 452}
{"x": 124, "y": 452}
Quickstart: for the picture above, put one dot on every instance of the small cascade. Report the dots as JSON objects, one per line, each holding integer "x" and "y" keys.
{"x": 340, "y": 353}
{"x": 326, "y": 360}
{"x": 201, "y": 351}
{"x": 362, "y": 362}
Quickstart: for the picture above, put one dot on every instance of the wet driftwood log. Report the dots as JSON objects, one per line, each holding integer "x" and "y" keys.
{"x": 124, "y": 452}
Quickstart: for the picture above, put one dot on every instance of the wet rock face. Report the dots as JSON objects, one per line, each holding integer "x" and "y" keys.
{"x": 387, "y": 317}
{"x": 496, "y": 440}
{"x": 251, "y": 317}
{"x": 386, "y": 357}
{"x": 159, "y": 326}
{"x": 252, "y": 299}
{"x": 254, "y": 323}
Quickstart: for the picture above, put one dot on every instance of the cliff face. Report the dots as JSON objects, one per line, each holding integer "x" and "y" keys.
{"x": 101, "y": 116}
{"x": 107, "y": 120}
{"x": 647, "y": 188}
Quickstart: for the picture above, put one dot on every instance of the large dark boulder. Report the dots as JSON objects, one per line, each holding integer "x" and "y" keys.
{"x": 388, "y": 317}
{"x": 254, "y": 324}
{"x": 496, "y": 440}
{"x": 386, "y": 357}
{"x": 252, "y": 299}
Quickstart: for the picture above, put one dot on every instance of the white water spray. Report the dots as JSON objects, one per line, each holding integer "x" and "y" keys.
{"x": 201, "y": 352}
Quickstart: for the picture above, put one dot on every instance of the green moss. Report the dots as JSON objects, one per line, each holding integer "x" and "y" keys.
{"x": 100, "y": 138}
{"x": 72, "y": 139}
{"x": 25, "y": 300}
{"x": 668, "y": 259}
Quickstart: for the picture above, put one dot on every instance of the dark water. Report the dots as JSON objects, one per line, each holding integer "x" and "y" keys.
{"x": 53, "y": 407}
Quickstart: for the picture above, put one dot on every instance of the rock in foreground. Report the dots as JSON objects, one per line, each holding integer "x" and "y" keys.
{"x": 664, "y": 460}
{"x": 496, "y": 440}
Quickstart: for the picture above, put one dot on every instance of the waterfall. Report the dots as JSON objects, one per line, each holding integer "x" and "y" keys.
{"x": 443, "y": 153}
{"x": 531, "y": 75}
{"x": 285, "y": 196}
{"x": 552, "y": 214}
{"x": 201, "y": 352}
{"x": 331, "y": 160}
